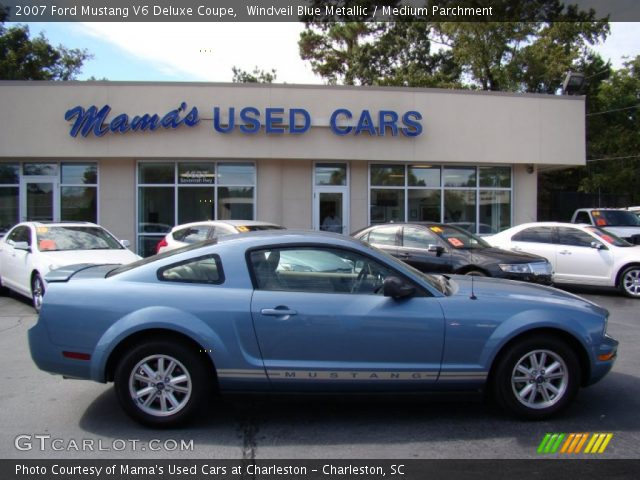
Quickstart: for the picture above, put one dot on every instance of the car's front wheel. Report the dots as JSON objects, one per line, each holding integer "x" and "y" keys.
{"x": 161, "y": 383}
{"x": 630, "y": 281}
{"x": 537, "y": 377}
{"x": 37, "y": 291}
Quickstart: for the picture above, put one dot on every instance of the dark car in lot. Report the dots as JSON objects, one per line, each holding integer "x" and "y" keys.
{"x": 443, "y": 248}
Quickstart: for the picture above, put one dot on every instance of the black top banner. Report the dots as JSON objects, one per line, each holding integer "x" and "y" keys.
{"x": 319, "y": 10}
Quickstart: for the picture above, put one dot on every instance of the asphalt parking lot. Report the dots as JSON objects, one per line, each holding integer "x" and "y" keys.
{"x": 44, "y": 416}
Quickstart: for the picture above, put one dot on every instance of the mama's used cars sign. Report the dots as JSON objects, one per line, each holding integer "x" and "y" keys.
{"x": 246, "y": 120}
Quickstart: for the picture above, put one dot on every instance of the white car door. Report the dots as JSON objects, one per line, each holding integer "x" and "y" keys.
{"x": 578, "y": 261}
{"x": 16, "y": 262}
{"x": 538, "y": 240}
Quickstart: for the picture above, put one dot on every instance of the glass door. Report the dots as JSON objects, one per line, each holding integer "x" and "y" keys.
{"x": 330, "y": 197}
{"x": 39, "y": 203}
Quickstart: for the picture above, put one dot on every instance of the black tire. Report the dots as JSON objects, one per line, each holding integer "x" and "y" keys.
{"x": 158, "y": 409}
{"x": 37, "y": 292}
{"x": 538, "y": 382}
{"x": 629, "y": 283}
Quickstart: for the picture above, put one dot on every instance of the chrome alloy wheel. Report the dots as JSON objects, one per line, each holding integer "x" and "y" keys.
{"x": 160, "y": 385}
{"x": 37, "y": 292}
{"x": 540, "y": 379}
{"x": 631, "y": 282}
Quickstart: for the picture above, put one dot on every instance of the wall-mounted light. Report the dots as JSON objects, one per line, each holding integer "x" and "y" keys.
{"x": 529, "y": 167}
{"x": 573, "y": 83}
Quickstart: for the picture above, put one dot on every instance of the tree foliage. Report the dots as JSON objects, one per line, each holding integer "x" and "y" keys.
{"x": 256, "y": 76}
{"x": 26, "y": 58}
{"x": 517, "y": 56}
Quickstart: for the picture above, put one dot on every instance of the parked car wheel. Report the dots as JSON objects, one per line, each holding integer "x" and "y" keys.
{"x": 537, "y": 377}
{"x": 630, "y": 281}
{"x": 37, "y": 292}
{"x": 161, "y": 384}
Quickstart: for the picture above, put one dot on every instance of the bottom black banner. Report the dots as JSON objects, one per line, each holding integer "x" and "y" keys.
{"x": 546, "y": 469}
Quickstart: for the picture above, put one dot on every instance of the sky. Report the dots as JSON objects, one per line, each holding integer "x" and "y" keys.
{"x": 208, "y": 51}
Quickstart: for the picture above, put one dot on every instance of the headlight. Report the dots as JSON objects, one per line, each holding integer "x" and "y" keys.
{"x": 537, "y": 268}
{"x": 516, "y": 267}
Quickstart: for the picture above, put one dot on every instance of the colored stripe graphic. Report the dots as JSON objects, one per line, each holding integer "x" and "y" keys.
{"x": 573, "y": 443}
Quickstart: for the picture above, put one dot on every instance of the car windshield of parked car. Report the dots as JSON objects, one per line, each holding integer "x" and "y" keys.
{"x": 609, "y": 237}
{"x": 458, "y": 238}
{"x": 56, "y": 239}
{"x": 615, "y": 218}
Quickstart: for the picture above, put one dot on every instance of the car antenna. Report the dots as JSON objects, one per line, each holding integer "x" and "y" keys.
{"x": 473, "y": 295}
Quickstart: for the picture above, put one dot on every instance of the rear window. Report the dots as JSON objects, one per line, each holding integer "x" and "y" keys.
{"x": 534, "y": 235}
{"x": 383, "y": 236}
{"x": 257, "y": 228}
{"x": 206, "y": 269}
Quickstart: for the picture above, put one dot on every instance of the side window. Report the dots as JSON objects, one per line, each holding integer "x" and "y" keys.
{"x": 206, "y": 269}
{"x": 317, "y": 270}
{"x": 534, "y": 235}
{"x": 20, "y": 234}
{"x": 574, "y": 237}
{"x": 383, "y": 236}
{"x": 413, "y": 237}
{"x": 583, "y": 217}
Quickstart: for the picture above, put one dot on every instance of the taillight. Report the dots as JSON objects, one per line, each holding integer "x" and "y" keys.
{"x": 161, "y": 243}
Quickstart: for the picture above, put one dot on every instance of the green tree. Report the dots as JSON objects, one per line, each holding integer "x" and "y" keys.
{"x": 613, "y": 135}
{"x": 26, "y": 58}
{"x": 256, "y": 76}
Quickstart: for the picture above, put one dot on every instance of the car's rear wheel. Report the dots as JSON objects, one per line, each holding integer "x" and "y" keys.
{"x": 37, "y": 291}
{"x": 537, "y": 377}
{"x": 160, "y": 383}
{"x": 629, "y": 282}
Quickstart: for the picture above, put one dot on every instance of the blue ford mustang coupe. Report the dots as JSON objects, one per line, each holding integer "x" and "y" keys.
{"x": 312, "y": 312}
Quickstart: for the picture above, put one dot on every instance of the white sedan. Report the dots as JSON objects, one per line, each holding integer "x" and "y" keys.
{"x": 579, "y": 254}
{"x": 31, "y": 249}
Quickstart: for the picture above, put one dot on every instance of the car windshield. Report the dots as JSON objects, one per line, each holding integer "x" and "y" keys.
{"x": 56, "y": 239}
{"x": 609, "y": 237}
{"x": 615, "y": 218}
{"x": 458, "y": 238}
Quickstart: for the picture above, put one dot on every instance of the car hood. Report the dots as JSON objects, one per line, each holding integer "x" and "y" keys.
{"x": 499, "y": 255}
{"x": 71, "y": 257}
{"x": 522, "y": 292}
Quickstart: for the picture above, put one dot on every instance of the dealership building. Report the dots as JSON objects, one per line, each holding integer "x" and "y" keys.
{"x": 140, "y": 157}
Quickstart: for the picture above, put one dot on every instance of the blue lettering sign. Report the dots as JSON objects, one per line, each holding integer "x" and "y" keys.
{"x": 333, "y": 122}
{"x": 95, "y": 121}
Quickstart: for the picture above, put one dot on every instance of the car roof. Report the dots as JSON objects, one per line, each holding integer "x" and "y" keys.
{"x": 233, "y": 223}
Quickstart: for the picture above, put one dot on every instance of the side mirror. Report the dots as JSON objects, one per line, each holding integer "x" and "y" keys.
{"x": 437, "y": 249}
{"x": 22, "y": 246}
{"x": 397, "y": 289}
{"x": 598, "y": 246}
{"x": 125, "y": 243}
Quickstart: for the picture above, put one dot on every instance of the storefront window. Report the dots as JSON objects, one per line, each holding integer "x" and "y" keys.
{"x": 79, "y": 192}
{"x": 424, "y": 176}
{"x": 495, "y": 211}
{"x": 387, "y": 176}
{"x": 9, "y": 174}
{"x": 387, "y": 205}
{"x": 459, "y": 176}
{"x": 199, "y": 191}
{"x": 155, "y": 173}
{"x": 40, "y": 169}
{"x": 196, "y": 203}
{"x": 424, "y": 205}
{"x": 478, "y": 198}
{"x": 497, "y": 177}
{"x": 460, "y": 206}
{"x": 78, "y": 204}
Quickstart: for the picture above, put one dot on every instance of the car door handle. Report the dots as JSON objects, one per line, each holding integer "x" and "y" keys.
{"x": 403, "y": 255}
{"x": 516, "y": 249}
{"x": 278, "y": 312}
{"x": 565, "y": 252}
